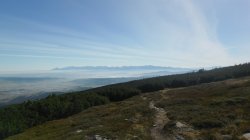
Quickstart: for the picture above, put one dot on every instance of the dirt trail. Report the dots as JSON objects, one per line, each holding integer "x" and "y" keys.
{"x": 160, "y": 120}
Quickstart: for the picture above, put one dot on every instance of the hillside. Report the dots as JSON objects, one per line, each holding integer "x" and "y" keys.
{"x": 217, "y": 110}
{"x": 17, "y": 118}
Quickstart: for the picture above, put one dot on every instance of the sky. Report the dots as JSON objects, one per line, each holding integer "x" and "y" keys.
{"x": 44, "y": 34}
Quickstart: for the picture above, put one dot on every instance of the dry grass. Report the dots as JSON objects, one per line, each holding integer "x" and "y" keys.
{"x": 130, "y": 119}
{"x": 213, "y": 110}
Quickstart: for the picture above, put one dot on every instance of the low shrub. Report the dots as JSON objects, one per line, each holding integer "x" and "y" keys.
{"x": 207, "y": 123}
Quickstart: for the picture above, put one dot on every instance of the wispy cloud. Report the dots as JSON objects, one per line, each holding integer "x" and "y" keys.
{"x": 194, "y": 40}
{"x": 169, "y": 33}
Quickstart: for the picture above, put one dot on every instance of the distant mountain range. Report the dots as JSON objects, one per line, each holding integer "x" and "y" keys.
{"x": 125, "y": 68}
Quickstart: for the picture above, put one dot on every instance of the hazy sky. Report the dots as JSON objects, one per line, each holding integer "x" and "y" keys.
{"x": 43, "y": 34}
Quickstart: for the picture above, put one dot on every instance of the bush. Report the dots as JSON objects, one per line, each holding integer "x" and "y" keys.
{"x": 169, "y": 126}
{"x": 207, "y": 123}
{"x": 151, "y": 87}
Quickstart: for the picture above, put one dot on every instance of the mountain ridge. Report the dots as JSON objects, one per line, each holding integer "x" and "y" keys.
{"x": 195, "y": 112}
{"x": 148, "y": 67}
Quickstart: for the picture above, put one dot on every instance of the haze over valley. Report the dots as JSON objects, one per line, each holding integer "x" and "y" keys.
{"x": 16, "y": 88}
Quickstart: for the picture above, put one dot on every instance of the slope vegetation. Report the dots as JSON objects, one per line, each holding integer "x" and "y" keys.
{"x": 212, "y": 111}
{"x": 17, "y": 118}
{"x": 130, "y": 119}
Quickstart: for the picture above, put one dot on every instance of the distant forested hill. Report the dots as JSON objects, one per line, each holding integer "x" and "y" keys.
{"x": 16, "y": 118}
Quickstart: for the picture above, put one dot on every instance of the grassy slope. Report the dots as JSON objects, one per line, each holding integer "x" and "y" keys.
{"x": 127, "y": 119}
{"x": 15, "y": 119}
{"x": 215, "y": 109}
{"x": 211, "y": 109}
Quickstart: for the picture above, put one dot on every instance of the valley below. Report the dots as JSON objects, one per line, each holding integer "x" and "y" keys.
{"x": 19, "y": 87}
